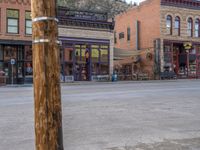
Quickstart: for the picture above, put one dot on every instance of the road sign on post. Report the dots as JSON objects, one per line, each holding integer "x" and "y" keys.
{"x": 12, "y": 61}
{"x": 46, "y": 73}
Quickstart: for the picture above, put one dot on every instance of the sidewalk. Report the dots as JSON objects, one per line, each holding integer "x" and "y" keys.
{"x": 104, "y": 82}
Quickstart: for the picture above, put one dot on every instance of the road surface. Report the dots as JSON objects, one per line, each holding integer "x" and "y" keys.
{"x": 155, "y": 115}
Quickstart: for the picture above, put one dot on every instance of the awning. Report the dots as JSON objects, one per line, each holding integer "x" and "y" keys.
{"x": 121, "y": 53}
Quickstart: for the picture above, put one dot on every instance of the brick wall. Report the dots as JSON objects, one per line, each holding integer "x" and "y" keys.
{"x": 148, "y": 14}
{"x": 22, "y": 6}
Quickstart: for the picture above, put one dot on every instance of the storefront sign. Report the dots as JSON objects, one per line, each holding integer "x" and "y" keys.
{"x": 188, "y": 46}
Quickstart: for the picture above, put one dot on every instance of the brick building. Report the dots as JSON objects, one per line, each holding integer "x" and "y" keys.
{"x": 15, "y": 40}
{"x": 165, "y": 34}
{"x": 87, "y": 38}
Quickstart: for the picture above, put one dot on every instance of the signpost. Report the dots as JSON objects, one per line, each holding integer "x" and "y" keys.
{"x": 12, "y": 62}
{"x": 46, "y": 75}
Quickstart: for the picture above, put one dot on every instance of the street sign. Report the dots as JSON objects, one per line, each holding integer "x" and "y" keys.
{"x": 12, "y": 61}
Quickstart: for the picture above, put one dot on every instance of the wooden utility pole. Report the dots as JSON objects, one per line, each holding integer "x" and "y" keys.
{"x": 46, "y": 71}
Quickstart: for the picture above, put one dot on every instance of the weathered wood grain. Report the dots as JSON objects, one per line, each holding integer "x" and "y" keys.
{"x": 46, "y": 64}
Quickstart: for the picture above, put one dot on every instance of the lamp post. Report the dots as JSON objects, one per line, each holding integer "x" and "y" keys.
{"x": 46, "y": 75}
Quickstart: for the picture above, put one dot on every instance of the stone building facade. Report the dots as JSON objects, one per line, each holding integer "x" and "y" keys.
{"x": 169, "y": 30}
{"x": 87, "y": 44}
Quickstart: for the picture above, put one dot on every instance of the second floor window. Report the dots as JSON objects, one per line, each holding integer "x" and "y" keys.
{"x": 28, "y": 23}
{"x": 121, "y": 35}
{"x": 197, "y": 25}
{"x": 189, "y": 27}
{"x": 169, "y": 24}
{"x": 128, "y": 34}
{"x": 115, "y": 37}
{"x": 12, "y": 21}
{"x": 177, "y": 26}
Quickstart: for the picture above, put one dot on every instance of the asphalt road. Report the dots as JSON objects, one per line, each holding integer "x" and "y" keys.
{"x": 155, "y": 115}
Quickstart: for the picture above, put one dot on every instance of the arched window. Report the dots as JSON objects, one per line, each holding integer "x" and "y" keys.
{"x": 190, "y": 27}
{"x": 197, "y": 25}
{"x": 169, "y": 24}
{"x": 177, "y": 26}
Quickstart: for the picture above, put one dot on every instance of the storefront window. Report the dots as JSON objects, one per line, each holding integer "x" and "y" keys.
{"x": 167, "y": 58}
{"x": 1, "y": 66}
{"x": 20, "y": 69}
{"x": 1, "y": 53}
{"x": 28, "y": 69}
{"x": 28, "y": 53}
{"x": 104, "y": 69}
{"x": 20, "y": 53}
{"x": 83, "y": 52}
{"x": 104, "y": 53}
{"x": 68, "y": 53}
{"x": 95, "y": 53}
{"x": 78, "y": 52}
{"x": 10, "y": 52}
{"x": 68, "y": 69}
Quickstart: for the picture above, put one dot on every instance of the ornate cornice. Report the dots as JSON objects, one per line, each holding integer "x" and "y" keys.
{"x": 190, "y": 4}
{"x": 83, "y": 19}
{"x": 19, "y": 2}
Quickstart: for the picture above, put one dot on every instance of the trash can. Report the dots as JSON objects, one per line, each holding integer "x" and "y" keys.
{"x": 114, "y": 77}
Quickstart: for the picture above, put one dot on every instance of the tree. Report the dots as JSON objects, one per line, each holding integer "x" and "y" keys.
{"x": 112, "y": 7}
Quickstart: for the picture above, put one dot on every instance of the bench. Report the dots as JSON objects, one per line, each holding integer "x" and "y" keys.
{"x": 103, "y": 77}
{"x": 168, "y": 75}
{"x": 143, "y": 76}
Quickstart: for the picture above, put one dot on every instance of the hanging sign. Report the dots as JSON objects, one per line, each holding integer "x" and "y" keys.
{"x": 188, "y": 46}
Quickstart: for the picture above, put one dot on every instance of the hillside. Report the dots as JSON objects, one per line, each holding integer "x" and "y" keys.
{"x": 112, "y": 7}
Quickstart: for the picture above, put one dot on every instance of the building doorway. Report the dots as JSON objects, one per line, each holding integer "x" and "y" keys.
{"x": 182, "y": 59}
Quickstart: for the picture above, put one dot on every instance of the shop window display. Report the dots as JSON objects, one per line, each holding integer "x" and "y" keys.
{"x": 167, "y": 58}
{"x": 28, "y": 69}
{"x": 84, "y": 61}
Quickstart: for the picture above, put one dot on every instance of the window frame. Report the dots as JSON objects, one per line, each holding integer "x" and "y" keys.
{"x": 27, "y": 27}
{"x": 190, "y": 27}
{"x": 128, "y": 34}
{"x": 7, "y": 18}
{"x": 169, "y": 18}
{"x": 121, "y": 35}
{"x": 177, "y": 28}
{"x": 197, "y": 30}
{"x": 115, "y": 37}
